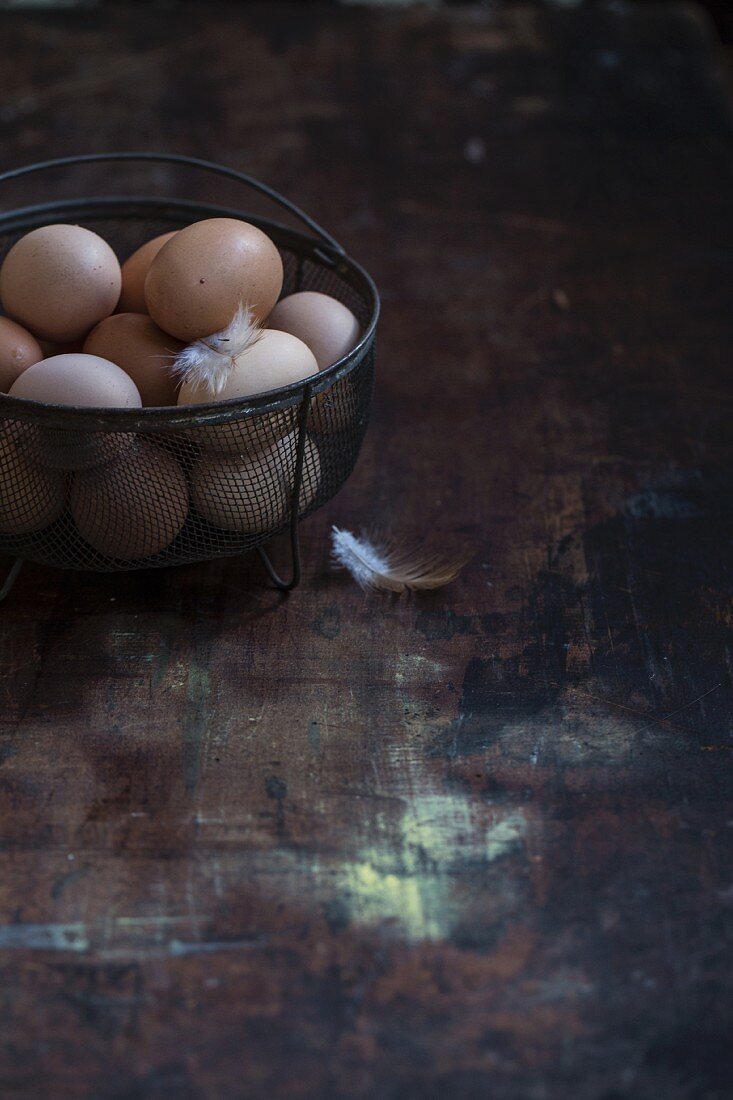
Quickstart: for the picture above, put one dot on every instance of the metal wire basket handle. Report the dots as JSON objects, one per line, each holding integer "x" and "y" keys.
{"x": 189, "y": 162}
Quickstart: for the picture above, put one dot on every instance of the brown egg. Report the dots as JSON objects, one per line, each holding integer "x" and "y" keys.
{"x": 251, "y": 496}
{"x": 331, "y": 331}
{"x": 275, "y": 359}
{"x": 134, "y": 272}
{"x": 59, "y": 281}
{"x": 77, "y": 379}
{"x": 246, "y": 436}
{"x": 333, "y": 412}
{"x": 132, "y": 508}
{"x": 30, "y": 498}
{"x": 135, "y": 343}
{"x": 73, "y": 449}
{"x": 206, "y": 271}
{"x": 18, "y": 350}
{"x": 327, "y": 326}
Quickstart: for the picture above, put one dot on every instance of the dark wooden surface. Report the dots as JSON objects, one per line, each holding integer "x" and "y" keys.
{"x": 475, "y": 844}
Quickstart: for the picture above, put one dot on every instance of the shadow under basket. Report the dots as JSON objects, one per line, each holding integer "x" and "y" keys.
{"x": 107, "y": 490}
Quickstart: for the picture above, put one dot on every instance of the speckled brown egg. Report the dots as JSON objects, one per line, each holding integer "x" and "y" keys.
{"x": 77, "y": 379}
{"x": 31, "y": 498}
{"x": 134, "y": 272}
{"x": 18, "y": 350}
{"x": 251, "y": 496}
{"x": 206, "y": 271}
{"x": 135, "y": 343}
{"x": 59, "y": 281}
{"x": 133, "y": 508}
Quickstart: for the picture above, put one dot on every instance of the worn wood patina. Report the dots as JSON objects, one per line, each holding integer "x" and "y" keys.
{"x": 474, "y": 844}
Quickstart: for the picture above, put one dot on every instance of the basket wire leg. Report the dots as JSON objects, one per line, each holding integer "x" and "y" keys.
{"x": 277, "y": 580}
{"x": 11, "y": 578}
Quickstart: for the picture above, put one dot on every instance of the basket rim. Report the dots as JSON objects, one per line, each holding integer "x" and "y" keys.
{"x": 165, "y": 417}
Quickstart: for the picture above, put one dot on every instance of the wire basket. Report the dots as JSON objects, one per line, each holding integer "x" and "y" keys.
{"x": 107, "y": 490}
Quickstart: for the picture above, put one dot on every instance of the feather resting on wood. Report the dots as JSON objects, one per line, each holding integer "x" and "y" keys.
{"x": 390, "y": 567}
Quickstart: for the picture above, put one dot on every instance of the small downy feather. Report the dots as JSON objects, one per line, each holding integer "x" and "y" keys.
{"x": 209, "y": 361}
{"x": 390, "y": 567}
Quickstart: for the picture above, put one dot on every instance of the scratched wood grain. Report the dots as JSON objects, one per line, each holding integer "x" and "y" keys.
{"x": 475, "y": 844}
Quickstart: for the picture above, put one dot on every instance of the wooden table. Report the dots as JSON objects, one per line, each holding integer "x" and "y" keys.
{"x": 473, "y": 844}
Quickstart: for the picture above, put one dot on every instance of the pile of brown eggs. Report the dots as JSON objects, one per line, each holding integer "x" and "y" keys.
{"x": 79, "y": 329}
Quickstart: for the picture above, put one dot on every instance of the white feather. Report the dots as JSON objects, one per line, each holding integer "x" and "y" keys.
{"x": 209, "y": 361}
{"x": 391, "y": 567}
{"x": 364, "y": 561}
